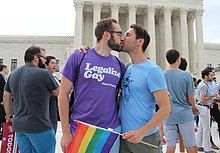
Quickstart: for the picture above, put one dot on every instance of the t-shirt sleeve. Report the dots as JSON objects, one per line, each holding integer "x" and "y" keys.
{"x": 204, "y": 90}
{"x": 70, "y": 68}
{"x": 190, "y": 86}
{"x": 156, "y": 80}
{"x": 50, "y": 81}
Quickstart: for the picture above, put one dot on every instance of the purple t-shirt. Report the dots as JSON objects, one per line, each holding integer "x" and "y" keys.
{"x": 96, "y": 88}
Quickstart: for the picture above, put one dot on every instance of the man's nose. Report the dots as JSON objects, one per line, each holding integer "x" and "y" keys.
{"x": 122, "y": 38}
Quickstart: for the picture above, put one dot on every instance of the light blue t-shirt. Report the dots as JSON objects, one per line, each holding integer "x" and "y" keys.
{"x": 137, "y": 103}
{"x": 180, "y": 85}
{"x": 213, "y": 87}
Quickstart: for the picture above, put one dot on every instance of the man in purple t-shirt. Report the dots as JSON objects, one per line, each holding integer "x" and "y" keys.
{"x": 97, "y": 82}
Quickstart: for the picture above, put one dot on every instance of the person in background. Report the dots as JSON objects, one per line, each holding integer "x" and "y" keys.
{"x": 182, "y": 66}
{"x": 31, "y": 88}
{"x": 181, "y": 121}
{"x": 205, "y": 96}
{"x": 50, "y": 64}
{"x": 214, "y": 111}
{"x": 196, "y": 117}
{"x": 3, "y": 73}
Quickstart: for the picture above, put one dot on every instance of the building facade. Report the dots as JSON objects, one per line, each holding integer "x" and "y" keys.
{"x": 171, "y": 24}
{"x": 12, "y": 49}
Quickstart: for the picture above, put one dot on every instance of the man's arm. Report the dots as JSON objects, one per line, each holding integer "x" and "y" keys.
{"x": 63, "y": 103}
{"x": 7, "y": 105}
{"x": 192, "y": 102}
{"x": 203, "y": 98}
{"x": 163, "y": 101}
{"x": 55, "y": 92}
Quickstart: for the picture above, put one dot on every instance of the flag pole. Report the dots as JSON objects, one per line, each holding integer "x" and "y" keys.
{"x": 154, "y": 146}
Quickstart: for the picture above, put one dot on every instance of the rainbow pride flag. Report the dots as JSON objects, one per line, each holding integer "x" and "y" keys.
{"x": 92, "y": 139}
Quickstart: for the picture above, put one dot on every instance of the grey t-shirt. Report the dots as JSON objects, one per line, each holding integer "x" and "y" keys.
{"x": 31, "y": 89}
{"x": 180, "y": 85}
{"x": 203, "y": 88}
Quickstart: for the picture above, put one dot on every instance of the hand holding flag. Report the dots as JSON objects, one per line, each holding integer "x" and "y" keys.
{"x": 92, "y": 139}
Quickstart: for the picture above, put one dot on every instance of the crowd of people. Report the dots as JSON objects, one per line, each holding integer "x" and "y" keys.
{"x": 110, "y": 94}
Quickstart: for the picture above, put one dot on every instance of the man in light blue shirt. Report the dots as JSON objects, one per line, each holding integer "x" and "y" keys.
{"x": 143, "y": 85}
{"x": 180, "y": 122}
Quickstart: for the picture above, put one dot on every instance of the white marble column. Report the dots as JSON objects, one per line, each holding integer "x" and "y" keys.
{"x": 151, "y": 31}
{"x": 132, "y": 14}
{"x": 114, "y": 14}
{"x": 184, "y": 34}
{"x": 114, "y": 10}
{"x": 160, "y": 43}
{"x": 192, "y": 54}
{"x": 199, "y": 41}
{"x": 78, "y": 24}
{"x": 167, "y": 31}
{"x": 145, "y": 20}
{"x": 176, "y": 31}
{"x": 96, "y": 17}
{"x": 145, "y": 26}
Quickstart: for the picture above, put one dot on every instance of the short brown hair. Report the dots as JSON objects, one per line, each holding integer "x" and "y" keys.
{"x": 102, "y": 26}
{"x": 141, "y": 33}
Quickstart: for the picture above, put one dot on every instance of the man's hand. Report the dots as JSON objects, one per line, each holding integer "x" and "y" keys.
{"x": 66, "y": 141}
{"x": 195, "y": 111}
{"x": 82, "y": 49}
{"x": 215, "y": 94}
{"x": 134, "y": 136}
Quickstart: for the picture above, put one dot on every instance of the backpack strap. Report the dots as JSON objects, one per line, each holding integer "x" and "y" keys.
{"x": 119, "y": 63}
{"x": 72, "y": 97}
{"x": 78, "y": 68}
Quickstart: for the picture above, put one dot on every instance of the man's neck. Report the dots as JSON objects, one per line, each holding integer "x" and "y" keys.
{"x": 32, "y": 63}
{"x": 206, "y": 80}
{"x": 173, "y": 66}
{"x": 102, "y": 49}
{"x": 137, "y": 57}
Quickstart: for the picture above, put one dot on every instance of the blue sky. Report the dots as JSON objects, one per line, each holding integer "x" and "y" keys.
{"x": 56, "y": 18}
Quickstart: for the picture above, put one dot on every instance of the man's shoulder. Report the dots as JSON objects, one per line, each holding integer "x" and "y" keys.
{"x": 1, "y": 77}
{"x": 202, "y": 84}
{"x": 149, "y": 65}
{"x": 43, "y": 72}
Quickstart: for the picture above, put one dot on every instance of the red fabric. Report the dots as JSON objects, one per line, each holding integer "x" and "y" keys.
{"x": 8, "y": 139}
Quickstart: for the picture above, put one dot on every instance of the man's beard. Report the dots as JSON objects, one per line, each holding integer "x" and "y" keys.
{"x": 40, "y": 63}
{"x": 113, "y": 45}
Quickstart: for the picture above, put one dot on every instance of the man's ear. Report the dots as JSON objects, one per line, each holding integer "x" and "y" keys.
{"x": 35, "y": 58}
{"x": 107, "y": 35}
{"x": 141, "y": 41}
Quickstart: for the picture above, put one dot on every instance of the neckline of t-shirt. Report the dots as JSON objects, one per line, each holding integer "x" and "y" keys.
{"x": 109, "y": 56}
{"x": 146, "y": 61}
